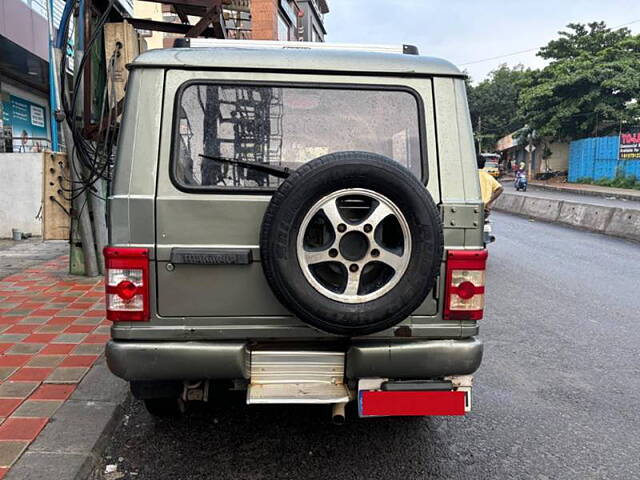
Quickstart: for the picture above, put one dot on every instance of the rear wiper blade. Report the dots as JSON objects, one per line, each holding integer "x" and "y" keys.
{"x": 280, "y": 172}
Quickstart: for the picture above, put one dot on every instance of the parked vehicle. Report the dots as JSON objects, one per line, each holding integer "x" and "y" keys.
{"x": 492, "y": 164}
{"x": 521, "y": 181}
{"x": 300, "y": 221}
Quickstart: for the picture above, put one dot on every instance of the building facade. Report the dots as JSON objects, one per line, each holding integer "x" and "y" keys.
{"x": 285, "y": 20}
{"x": 24, "y": 76}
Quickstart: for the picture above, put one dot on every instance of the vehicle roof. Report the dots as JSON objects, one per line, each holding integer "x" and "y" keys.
{"x": 296, "y": 59}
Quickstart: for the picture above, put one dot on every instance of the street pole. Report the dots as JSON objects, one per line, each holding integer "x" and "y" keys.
{"x": 530, "y": 152}
{"x": 53, "y": 81}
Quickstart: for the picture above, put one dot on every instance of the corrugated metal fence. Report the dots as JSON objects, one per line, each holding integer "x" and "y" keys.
{"x": 597, "y": 158}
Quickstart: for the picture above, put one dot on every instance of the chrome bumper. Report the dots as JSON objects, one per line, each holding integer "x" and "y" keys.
{"x": 420, "y": 359}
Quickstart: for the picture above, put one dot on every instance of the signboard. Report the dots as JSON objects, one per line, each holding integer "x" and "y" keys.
{"x": 630, "y": 145}
{"x": 28, "y": 124}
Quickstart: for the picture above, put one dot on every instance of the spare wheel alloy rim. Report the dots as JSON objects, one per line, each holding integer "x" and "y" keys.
{"x": 354, "y": 245}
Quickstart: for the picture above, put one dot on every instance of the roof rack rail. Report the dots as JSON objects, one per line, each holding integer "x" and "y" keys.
{"x": 214, "y": 42}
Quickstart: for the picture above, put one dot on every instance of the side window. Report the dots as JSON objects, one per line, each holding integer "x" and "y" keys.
{"x": 218, "y": 124}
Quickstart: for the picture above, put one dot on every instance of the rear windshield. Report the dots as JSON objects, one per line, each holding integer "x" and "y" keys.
{"x": 286, "y": 126}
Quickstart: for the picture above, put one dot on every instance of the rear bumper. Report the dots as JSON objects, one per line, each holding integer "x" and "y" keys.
{"x": 423, "y": 359}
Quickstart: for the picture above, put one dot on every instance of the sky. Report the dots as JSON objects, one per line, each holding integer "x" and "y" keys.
{"x": 467, "y": 32}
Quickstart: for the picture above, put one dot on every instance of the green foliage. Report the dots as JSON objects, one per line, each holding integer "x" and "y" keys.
{"x": 494, "y": 103}
{"x": 628, "y": 182}
{"x": 590, "y": 87}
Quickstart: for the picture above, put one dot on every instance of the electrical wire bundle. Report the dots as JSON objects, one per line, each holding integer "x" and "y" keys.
{"x": 95, "y": 157}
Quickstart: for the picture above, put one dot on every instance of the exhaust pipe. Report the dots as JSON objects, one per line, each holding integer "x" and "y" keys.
{"x": 338, "y": 416}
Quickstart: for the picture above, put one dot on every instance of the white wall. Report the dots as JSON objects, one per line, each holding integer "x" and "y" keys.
{"x": 559, "y": 159}
{"x": 20, "y": 193}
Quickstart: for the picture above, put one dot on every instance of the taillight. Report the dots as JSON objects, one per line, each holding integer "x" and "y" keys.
{"x": 127, "y": 284}
{"x": 464, "y": 291}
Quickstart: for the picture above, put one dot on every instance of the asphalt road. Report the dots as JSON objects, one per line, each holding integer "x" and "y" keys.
{"x": 555, "y": 397}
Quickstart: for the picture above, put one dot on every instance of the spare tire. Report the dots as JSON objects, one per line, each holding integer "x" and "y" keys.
{"x": 351, "y": 243}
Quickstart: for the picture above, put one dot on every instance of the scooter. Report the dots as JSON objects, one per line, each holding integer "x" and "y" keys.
{"x": 521, "y": 182}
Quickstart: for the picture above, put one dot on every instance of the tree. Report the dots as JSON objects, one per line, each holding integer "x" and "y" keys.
{"x": 590, "y": 87}
{"x": 494, "y": 104}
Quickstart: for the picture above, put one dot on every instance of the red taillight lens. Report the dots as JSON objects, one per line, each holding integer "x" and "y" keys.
{"x": 127, "y": 284}
{"x": 464, "y": 294}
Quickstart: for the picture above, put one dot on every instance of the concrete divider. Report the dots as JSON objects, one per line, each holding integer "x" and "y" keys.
{"x": 591, "y": 217}
{"x": 542, "y": 208}
{"x": 618, "y": 222}
{"x": 625, "y": 223}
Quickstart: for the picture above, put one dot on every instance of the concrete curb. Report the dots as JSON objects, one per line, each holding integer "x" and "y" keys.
{"x": 71, "y": 444}
{"x": 614, "y": 221}
{"x": 590, "y": 193}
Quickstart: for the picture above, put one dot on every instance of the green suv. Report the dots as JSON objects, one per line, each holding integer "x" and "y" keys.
{"x": 300, "y": 221}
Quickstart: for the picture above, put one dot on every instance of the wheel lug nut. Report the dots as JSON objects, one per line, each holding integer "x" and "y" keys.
{"x": 375, "y": 252}
{"x": 342, "y": 227}
{"x": 353, "y": 268}
{"x": 333, "y": 253}
{"x": 368, "y": 228}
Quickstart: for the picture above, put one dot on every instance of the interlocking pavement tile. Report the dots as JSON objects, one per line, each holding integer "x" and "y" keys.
{"x": 14, "y": 360}
{"x": 8, "y": 405}
{"x": 79, "y": 329}
{"x": 79, "y": 361}
{"x": 5, "y": 372}
{"x": 96, "y": 339}
{"x": 17, "y": 389}
{"x": 3, "y": 472}
{"x": 81, "y": 305}
{"x": 103, "y": 330}
{"x": 21, "y": 428}
{"x": 4, "y": 328}
{"x": 37, "y": 408}
{"x": 69, "y": 338}
{"x": 10, "y": 451}
{"x": 25, "y": 348}
{"x": 17, "y": 313}
{"x": 30, "y": 374}
{"x": 61, "y": 321}
{"x": 89, "y": 349}
{"x": 45, "y": 312}
{"x": 89, "y": 320}
{"x": 95, "y": 313}
{"x": 21, "y": 329}
{"x": 12, "y": 337}
{"x": 45, "y": 361}
{"x": 67, "y": 375}
{"x": 58, "y": 349}
{"x": 53, "y": 392}
{"x": 40, "y": 338}
{"x": 5, "y": 346}
{"x": 34, "y": 320}
{"x": 52, "y": 328}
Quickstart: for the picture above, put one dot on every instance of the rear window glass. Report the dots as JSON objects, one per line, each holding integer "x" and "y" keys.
{"x": 286, "y": 127}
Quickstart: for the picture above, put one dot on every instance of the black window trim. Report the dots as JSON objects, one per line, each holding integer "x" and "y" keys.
{"x": 209, "y": 189}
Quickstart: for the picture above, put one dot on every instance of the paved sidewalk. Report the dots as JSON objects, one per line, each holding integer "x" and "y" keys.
{"x": 588, "y": 190}
{"x": 17, "y": 256}
{"x": 573, "y": 197}
{"x": 52, "y": 330}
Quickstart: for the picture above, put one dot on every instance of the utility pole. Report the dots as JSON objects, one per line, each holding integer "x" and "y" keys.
{"x": 480, "y": 134}
{"x": 81, "y": 261}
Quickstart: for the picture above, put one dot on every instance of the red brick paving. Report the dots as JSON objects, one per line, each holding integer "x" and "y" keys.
{"x": 36, "y": 307}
